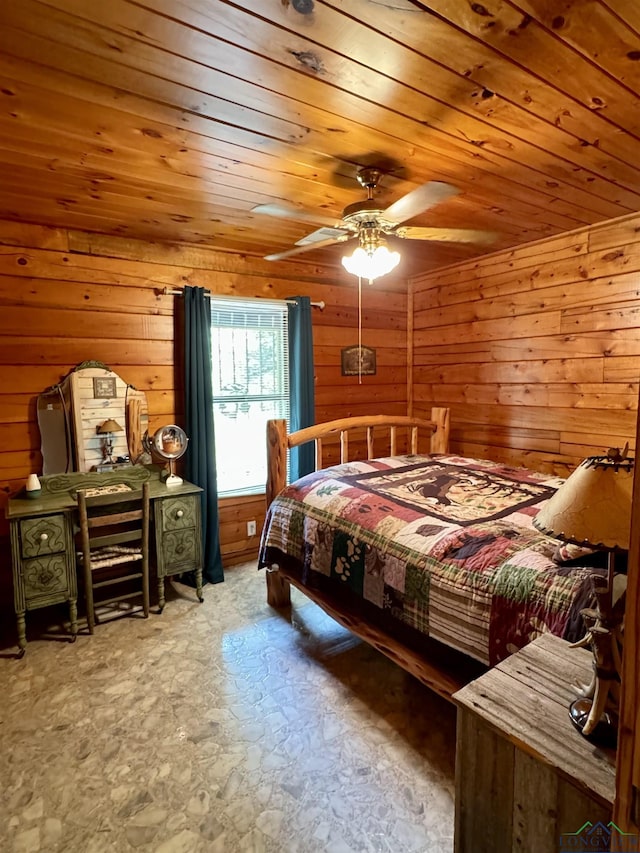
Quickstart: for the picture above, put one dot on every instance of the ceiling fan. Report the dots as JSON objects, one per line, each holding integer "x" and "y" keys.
{"x": 370, "y": 224}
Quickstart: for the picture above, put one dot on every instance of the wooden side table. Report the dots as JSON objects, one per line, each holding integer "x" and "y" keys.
{"x": 525, "y": 776}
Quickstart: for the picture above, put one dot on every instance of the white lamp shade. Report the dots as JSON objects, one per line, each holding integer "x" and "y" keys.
{"x": 593, "y": 506}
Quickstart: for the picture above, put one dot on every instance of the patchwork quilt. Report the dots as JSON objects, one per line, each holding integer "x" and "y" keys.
{"x": 443, "y": 544}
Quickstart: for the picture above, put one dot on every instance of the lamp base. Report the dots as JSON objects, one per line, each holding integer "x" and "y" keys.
{"x": 605, "y": 732}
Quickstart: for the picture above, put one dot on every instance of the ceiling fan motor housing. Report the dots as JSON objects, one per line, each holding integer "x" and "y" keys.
{"x": 366, "y": 212}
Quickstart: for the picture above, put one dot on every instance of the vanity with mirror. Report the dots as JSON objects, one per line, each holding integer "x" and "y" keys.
{"x": 92, "y": 420}
{"x": 93, "y": 428}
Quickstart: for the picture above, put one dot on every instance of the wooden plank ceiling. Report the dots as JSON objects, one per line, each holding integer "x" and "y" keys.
{"x": 172, "y": 119}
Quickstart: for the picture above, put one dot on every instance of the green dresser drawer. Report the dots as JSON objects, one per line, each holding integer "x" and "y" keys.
{"x": 180, "y": 512}
{"x": 181, "y": 549}
{"x": 43, "y": 535}
{"x": 45, "y": 577}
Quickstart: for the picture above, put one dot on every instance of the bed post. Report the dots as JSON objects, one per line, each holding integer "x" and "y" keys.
{"x": 440, "y": 439}
{"x": 278, "y": 589}
{"x": 277, "y": 458}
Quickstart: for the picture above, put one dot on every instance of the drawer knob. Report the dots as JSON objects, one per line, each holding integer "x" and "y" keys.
{"x": 179, "y": 513}
{"x": 44, "y": 537}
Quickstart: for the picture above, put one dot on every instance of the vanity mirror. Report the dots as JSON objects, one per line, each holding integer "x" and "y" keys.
{"x": 92, "y": 420}
{"x": 169, "y": 443}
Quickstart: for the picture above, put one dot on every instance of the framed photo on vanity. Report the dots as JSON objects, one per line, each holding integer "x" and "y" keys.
{"x": 104, "y": 387}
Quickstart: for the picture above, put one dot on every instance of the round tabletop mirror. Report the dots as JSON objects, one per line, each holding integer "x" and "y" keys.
{"x": 170, "y": 442}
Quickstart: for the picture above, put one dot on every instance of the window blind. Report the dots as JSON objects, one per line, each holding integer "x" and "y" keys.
{"x": 250, "y": 373}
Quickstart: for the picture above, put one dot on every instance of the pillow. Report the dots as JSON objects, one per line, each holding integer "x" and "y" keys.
{"x": 566, "y": 552}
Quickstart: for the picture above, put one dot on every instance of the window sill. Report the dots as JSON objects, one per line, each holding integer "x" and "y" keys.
{"x": 241, "y": 497}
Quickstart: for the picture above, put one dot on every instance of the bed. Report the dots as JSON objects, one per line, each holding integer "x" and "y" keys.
{"x": 429, "y": 556}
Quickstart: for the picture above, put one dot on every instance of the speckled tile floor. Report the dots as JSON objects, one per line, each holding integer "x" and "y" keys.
{"x": 221, "y": 727}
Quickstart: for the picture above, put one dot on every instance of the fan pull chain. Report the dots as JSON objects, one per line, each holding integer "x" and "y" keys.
{"x": 359, "y": 330}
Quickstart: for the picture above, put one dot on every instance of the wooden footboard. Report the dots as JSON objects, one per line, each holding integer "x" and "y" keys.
{"x": 279, "y": 442}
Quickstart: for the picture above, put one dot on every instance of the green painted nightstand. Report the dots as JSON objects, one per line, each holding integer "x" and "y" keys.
{"x": 178, "y": 529}
{"x": 44, "y": 565}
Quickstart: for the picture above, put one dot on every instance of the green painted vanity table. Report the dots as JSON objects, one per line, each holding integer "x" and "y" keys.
{"x": 42, "y": 537}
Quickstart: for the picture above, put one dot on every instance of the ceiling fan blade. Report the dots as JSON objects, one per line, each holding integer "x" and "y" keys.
{"x": 419, "y": 200}
{"x": 322, "y": 234}
{"x": 284, "y": 210}
{"x": 320, "y": 244}
{"x": 445, "y": 235}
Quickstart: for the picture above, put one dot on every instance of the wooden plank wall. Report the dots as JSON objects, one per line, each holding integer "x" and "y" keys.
{"x": 67, "y": 296}
{"x": 536, "y": 350}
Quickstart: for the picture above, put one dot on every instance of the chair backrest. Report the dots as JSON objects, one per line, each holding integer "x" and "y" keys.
{"x": 116, "y": 525}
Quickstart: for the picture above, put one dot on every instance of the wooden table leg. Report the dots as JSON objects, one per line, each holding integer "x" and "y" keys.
{"x": 22, "y": 633}
{"x": 199, "y": 585}
{"x": 73, "y": 618}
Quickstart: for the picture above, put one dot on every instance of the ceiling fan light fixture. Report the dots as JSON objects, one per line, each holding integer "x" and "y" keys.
{"x": 372, "y": 262}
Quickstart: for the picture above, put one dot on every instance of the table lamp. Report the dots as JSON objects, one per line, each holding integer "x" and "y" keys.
{"x": 592, "y": 508}
{"x": 106, "y": 430}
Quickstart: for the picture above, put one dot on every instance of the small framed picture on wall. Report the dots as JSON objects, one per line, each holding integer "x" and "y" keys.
{"x": 358, "y": 361}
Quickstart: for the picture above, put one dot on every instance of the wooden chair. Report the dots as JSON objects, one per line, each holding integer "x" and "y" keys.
{"x": 114, "y": 535}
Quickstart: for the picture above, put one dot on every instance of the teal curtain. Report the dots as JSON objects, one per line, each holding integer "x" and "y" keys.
{"x": 301, "y": 383}
{"x": 200, "y": 458}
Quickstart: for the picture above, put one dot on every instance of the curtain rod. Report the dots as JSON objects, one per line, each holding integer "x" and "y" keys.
{"x": 172, "y": 291}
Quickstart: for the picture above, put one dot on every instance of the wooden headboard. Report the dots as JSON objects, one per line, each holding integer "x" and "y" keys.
{"x": 279, "y": 441}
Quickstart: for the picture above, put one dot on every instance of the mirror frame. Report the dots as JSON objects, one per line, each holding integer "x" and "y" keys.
{"x": 90, "y": 394}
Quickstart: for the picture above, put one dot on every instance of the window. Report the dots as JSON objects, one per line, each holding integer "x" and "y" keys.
{"x": 250, "y": 364}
